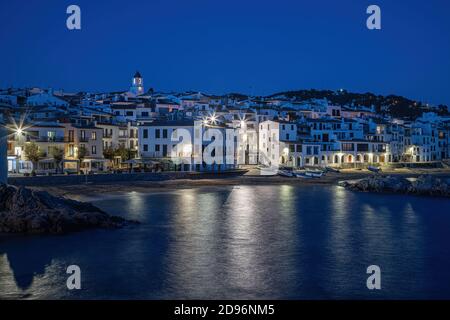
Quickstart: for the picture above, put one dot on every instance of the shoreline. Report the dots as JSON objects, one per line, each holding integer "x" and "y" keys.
{"x": 74, "y": 191}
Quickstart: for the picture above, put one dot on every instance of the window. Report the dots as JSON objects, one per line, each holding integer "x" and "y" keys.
{"x": 129, "y": 113}
{"x": 94, "y": 135}
{"x": 145, "y": 133}
{"x": 164, "y": 133}
{"x": 145, "y": 147}
{"x": 316, "y": 150}
{"x": 287, "y": 136}
{"x": 51, "y": 135}
{"x": 362, "y": 147}
{"x": 347, "y": 147}
{"x": 144, "y": 114}
{"x": 157, "y": 147}
{"x": 157, "y": 133}
{"x": 94, "y": 149}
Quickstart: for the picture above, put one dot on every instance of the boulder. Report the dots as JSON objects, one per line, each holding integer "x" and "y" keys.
{"x": 423, "y": 185}
{"x": 24, "y": 210}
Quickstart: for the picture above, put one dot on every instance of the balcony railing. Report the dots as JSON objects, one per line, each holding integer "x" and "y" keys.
{"x": 45, "y": 139}
{"x": 83, "y": 139}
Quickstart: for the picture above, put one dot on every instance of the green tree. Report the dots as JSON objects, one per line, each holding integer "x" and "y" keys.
{"x": 124, "y": 153}
{"x": 108, "y": 153}
{"x": 82, "y": 153}
{"x": 58, "y": 156}
{"x": 33, "y": 154}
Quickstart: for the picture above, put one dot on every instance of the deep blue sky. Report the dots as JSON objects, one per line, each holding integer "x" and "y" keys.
{"x": 257, "y": 47}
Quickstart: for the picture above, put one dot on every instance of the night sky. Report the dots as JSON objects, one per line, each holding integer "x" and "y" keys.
{"x": 217, "y": 46}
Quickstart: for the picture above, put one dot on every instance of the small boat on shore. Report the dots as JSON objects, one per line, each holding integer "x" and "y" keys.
{"x": 286, "y": 173}
{"x": 308, "y": 174}
{"x": 314, "y": 174}
{"x": 302, "y": 175}
{"x": 374, "y": 169}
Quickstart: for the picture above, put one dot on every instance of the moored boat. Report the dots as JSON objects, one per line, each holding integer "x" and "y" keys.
{"x": 285, "y": 173}
{"x": 374, "y": 169}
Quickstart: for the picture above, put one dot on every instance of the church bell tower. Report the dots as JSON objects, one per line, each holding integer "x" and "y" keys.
{"x": 137, "y": 86}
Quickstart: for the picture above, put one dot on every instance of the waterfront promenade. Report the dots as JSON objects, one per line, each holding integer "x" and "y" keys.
{"x": 78, "y": 185}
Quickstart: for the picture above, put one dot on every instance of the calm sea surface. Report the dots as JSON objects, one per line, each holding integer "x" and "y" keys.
{"x": 246, "y": 242}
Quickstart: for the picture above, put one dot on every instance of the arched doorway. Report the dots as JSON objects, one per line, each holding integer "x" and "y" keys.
{"x": 336, "y": 159}
{"x": 349, "y": 158}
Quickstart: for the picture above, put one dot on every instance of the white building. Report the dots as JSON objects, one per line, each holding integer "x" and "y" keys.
{"x": 164, "y": 141}
{"x": 274, "y": 139}
{"x": 46, "y": 99}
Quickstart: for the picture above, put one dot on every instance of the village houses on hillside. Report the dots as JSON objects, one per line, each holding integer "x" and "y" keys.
{"x": 54, "y": 132}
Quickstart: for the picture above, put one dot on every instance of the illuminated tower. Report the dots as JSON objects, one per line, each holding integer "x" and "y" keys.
{"x": 137, "y": 86}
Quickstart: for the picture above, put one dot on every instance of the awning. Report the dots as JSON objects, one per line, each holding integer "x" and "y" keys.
{"x": 95, "y": 160}
{"x": 47, "y": 160}
{"x": 68, "y": 160}
{"x": 140, "y": 161}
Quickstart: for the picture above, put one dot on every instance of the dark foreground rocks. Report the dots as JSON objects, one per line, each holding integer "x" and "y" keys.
{"x": 24, "y": 210}
{"x": 423, "y": 185}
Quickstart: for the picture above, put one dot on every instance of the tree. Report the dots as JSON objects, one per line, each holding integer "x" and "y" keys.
{"x": 82, "y": 153}
{"x": 58, "y": 156}
{"x": 32, "y": 153}
{"x": 108, "y": 153}
{"x": 123, "y": 153}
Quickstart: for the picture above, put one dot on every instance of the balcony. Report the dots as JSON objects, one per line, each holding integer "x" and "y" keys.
{"x": 44, "y": 139}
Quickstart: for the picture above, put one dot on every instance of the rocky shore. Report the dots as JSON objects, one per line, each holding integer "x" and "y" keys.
{"x": 29, "y": 211}
{"x": 423, "y": 185}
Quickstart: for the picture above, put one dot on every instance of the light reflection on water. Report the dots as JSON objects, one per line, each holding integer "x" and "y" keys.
{"x": 240, "y": 243}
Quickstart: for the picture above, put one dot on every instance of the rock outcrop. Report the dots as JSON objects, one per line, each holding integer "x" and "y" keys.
{"x": 24, "y": 210}
{"x": 423, "y": 185}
